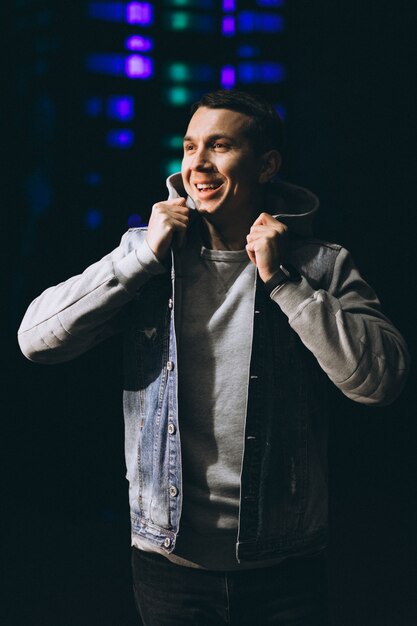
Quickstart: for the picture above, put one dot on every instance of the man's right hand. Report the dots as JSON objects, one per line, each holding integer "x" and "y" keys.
{"x": 166, "y": 219}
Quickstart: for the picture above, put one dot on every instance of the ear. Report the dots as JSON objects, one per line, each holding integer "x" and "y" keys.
{"x": 271, "y": 162}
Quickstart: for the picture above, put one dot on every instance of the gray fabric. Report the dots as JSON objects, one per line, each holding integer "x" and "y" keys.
{"x": 216, "y": 335}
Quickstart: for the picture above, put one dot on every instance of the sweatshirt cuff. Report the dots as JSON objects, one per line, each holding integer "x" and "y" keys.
{"x": 292, "y": 297}
{"x": 137, "y": 267}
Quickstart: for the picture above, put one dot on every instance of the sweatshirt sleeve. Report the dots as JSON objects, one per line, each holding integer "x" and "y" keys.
{"x": 360, "y": 350}
{"x": 70, "y": 318}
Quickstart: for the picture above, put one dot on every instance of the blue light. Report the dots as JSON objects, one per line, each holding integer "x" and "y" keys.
{"x": 137, "y": 66}
{"x": 252, "y": 21}
{"x": 132, "y": 12}
{"x": 281, "y": 110}
{"x": 139, "y": 13}
{"x": 93, "y": 219}
{"x": 132, "y": 66}
{"x": 270, "y": 3}
{"x": 94, "y": 106}
{"x": 261, "y": 72}
{"x": 93, "y": 179}
{"x": 108, "y": 11}
{"x": 229, "y": 5}
{"x": 139, "y": 43}
{"x": 121, "y": 107}
{"x": 248, "y": 52}
{"x": 120, "y": 138}
{"x": 135, "y": 221}
{"x": 112, "y": 64}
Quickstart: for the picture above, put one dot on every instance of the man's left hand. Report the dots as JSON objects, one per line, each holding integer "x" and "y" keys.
{"x": 267, "y": 245}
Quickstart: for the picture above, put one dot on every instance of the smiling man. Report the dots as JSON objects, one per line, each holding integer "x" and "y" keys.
{"x": 236, "y": 320}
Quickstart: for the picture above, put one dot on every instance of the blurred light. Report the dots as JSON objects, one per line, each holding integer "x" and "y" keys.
{"x": 112, "y": 64}
{"x": 108, "y": 11}
{"x": 121, "y": 107}
{"x": 179, "y": 96}
{"x": 181, "y": 20}
{"x": 93, "y": 179}
{"x": 183, "y": 72}
{"x": 173, "y": 142}
{"x": 94, "y": 106}
{"x": 228, "y": 76}
{"x": 270, "y": 3}
{"x": 139, "y": 13}
{"x": 229, "y": 5}
{"x": 172, "y": 167}
{"x": 178, "y": 72}
{"x": 120, "y": 138}
{"x": 261, "y": 72}
{"x": 252, "y": 21}
{"x": 228, "y": 25}
{"x": 137, "y": 66}
{"x": 139, "y": 43}
{"x": 93, "y": 219}
{"x": 135, "y": 221}
{"x": 38, "y": 191}
{"x": 281, "y": 110}
{"x": 248, "y": 52}
{"x": 194, "y": 4}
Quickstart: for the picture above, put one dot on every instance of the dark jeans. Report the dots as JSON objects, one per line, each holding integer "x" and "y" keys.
{"x": 293, "y": 593}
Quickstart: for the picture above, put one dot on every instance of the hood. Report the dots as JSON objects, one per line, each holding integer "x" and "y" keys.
{"x": 290, "y": 204}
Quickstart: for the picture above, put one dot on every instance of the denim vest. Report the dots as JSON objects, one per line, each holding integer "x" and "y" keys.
{"x": 283, "y": 502}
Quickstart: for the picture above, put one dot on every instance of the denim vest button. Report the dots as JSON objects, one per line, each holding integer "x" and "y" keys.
{"x": 170, "y": 366}
{"x": 173, "y": 491}
{"x": 167, "y": 542}
{"x": 171, "y": 428}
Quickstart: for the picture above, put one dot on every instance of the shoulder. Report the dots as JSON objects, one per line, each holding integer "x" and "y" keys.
{"x": 315, "y": 259}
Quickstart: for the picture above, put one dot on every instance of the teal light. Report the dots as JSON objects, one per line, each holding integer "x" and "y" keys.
{"x": 172, "y": 166}
{"x": 173, "y": 142}
{"x": 180, "y": 20}
{"x": 178, "y": 72}
{"x": 179, "y": 96}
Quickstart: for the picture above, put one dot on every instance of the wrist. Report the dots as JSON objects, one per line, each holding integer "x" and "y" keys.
{"x": 286, "y": 273}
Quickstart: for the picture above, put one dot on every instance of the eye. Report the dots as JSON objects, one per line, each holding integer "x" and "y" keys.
{"x": 220, "y": 146}
{"x": 189, "y": 147}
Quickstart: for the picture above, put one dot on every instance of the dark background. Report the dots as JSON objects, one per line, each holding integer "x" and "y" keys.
{"x": 351, "y": 138}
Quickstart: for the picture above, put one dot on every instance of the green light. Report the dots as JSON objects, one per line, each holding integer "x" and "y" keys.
{"x": 171, "y": 167}
{"x": 179, "y": 96}
{"x": 178, "y": 72}
{"x": 173, "y": 142}
{"x": 180, "y": 20}
{"x": 181, "y": 3}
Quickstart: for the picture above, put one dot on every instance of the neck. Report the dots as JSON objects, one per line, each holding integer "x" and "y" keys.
{"x": 225, "y": 236}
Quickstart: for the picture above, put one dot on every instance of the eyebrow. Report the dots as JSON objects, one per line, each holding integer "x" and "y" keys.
{"x": 211, "y": 138}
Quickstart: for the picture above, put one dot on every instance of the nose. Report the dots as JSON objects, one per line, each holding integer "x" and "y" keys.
{"x": 201, "y": 160}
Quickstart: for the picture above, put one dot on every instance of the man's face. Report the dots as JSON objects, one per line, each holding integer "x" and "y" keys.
{"x": 220, "y": 169}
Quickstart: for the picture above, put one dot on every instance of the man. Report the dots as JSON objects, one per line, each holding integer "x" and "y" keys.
{"x": 234, "y": 318}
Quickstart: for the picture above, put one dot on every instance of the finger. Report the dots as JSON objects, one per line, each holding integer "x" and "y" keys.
{"x": 251, "y": 254}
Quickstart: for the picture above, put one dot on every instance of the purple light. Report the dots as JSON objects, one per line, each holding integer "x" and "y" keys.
{"x": 120, "y": 138}
{"x": 121, "y": 107}
{"x": 139, "y": 43}
{"x": 228, "y": 76}
{"x": 139, "y": 13}
{"x": 228, "y": 25}
{"x": 229, "y": 5}
{"x": 137, "y": 66}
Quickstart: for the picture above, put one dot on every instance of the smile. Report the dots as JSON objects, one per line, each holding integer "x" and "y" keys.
{"x": 204, "y": 186}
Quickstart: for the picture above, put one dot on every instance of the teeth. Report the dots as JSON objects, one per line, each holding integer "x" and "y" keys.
{"x": 206, "y": 186}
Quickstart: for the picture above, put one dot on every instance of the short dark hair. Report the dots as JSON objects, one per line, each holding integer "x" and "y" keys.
{"x": 266, "y": 130}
